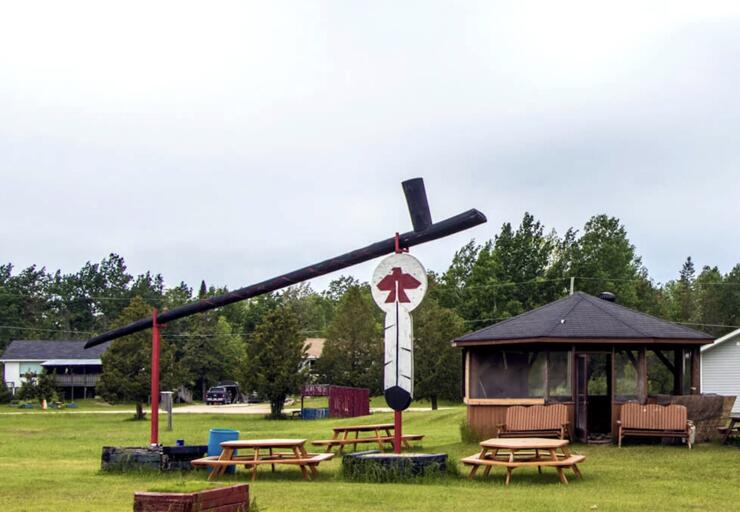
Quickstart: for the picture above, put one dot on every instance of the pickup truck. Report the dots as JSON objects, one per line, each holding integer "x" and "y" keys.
{"x": 223, "y": 394}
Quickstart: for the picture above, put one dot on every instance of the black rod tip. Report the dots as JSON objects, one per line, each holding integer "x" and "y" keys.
{"x": 416, "y": 198}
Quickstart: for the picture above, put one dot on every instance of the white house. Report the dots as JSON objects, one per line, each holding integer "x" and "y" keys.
{"x": 76, "y": 369}
{"x": 720, "y": 367}
{"x": 314, "y": 347}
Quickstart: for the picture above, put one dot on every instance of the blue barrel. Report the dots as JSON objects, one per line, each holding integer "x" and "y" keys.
{"x": 216, "y": 436}
{"x": 315, "y": 414}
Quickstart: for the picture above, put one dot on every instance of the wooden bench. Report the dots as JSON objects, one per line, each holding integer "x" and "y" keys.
{"x": 380, "y": 434}
{"x": 279, "y": 451}
{"x": 535, "y": 421}
{"x": 330, "y": 443}
{"x": 510, "y": 463}
{"x": 213, "y": 461}
{"x": 311, "y": 461}
{"x": 654, "y": 420}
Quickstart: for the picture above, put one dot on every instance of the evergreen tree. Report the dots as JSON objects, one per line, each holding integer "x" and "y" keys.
{"x": 275, "y": 357}
{"x": 126, "y": 373}
{"x": 437, "y": 367}
{"x": 24, "y": 303}
{"x": 708, "y": 312}
{"x": 452, "y": 289}
{"x": 353, "y": 352}
{"x": 730, "y": 298}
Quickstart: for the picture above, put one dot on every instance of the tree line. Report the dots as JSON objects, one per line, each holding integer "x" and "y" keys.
{"x": 260, "y": 342}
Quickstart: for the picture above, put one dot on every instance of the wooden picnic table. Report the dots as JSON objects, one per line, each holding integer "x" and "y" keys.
{"x": 380, "y": 433}
{"x": 512, "y": 453}
{"x": 731, "y": 429}
{"x": 264, "y": 451}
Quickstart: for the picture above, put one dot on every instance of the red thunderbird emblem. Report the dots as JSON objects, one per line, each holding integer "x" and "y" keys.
{"x": 404, "y": 282}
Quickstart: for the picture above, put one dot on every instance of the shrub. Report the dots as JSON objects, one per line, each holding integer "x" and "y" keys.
{"x": 5, "y": 395}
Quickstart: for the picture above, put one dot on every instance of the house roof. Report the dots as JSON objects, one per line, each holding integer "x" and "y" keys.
{"x": 719, "y": 341}
{"x": 583, "y": 317}
{"x": 314, "y": 347}
{"x": 37, "y": 350}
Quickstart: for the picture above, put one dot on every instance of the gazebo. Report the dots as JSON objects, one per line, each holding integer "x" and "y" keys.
{"x": 587, "y": 352}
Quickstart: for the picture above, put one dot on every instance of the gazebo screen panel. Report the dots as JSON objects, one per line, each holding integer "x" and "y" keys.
{"x": 661, "y": 378}
{"x": 627, "y": 374}
{"x": 506, "y": 373}
{"x": 520, "y": 373}
{"x": 559, "y": 375}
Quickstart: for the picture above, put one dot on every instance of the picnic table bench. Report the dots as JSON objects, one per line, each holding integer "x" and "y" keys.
{"x": 381, "y": 434}
{"x": 512, "y": 453}
{"x": 279, "y": 451}
{"x": 730, "y": 430}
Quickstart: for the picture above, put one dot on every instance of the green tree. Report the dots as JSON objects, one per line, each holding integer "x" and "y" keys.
{"x": 437, "y": 367}
{"x": 679, "y": 294}
{"x": 127, "y": 362}
{"x": 339, "y": 286}
{"x": 708, "y": 312}
{"x": 211, "y": 353}
{"x": 314, "y": 311}
{"x": 605, "y": 260}
{"x": 730, "y": 301}
{"x": 274, "y": 358}
{"x": 353, "y": 351}
{"x": 38, "y": 387}
{"x": 25, "y": 310}
{"x": 503, "y": 277}
{"x": 452, "y": 290}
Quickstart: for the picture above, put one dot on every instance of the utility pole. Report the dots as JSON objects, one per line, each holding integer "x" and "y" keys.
{"x": 572, "y": 284}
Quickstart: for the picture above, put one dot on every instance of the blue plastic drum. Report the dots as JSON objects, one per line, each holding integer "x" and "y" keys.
{"x": 216, "y": 436}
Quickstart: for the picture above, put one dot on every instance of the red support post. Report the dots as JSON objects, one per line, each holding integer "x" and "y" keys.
{"x": 154, "y": 438}
{"x": 397, "y": 431}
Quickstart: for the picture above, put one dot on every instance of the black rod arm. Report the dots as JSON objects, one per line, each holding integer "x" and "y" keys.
{"x": 434, "y": 231}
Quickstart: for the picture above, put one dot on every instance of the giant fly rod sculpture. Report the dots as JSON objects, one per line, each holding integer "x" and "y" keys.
{"x": 424, "y": 231}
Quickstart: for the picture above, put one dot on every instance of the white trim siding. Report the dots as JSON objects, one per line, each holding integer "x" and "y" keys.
{"x": 720, "y": 368}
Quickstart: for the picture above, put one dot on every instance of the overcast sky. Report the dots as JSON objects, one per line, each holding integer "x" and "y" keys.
{"x": 233, "y": 141}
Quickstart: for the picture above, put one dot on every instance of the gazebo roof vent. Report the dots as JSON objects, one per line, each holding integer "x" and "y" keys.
{"x": 608, "y": 296}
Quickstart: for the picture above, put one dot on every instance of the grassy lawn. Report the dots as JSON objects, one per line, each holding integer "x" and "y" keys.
{"x": 51, "y": 462}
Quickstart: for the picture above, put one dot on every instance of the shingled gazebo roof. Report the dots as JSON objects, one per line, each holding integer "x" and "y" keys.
{"x": 583, "y": 318}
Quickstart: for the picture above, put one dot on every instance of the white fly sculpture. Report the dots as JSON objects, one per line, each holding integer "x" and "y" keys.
{"x": 398, "y": 287}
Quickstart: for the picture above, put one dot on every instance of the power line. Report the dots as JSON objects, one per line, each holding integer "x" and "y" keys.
{"x": 164, "y": 333}
{"x": 473, "y": 286}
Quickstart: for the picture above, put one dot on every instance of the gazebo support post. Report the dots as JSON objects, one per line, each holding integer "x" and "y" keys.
{"x": 642, "y": 377}
{"x": 678, "y": 371}
{"x": 695, "y": 371}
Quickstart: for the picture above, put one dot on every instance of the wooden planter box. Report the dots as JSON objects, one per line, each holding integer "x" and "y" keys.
{"x": 234, "y": 498}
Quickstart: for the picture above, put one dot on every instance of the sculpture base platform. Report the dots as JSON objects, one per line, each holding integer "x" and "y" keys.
{"x": 377, "y": 466}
